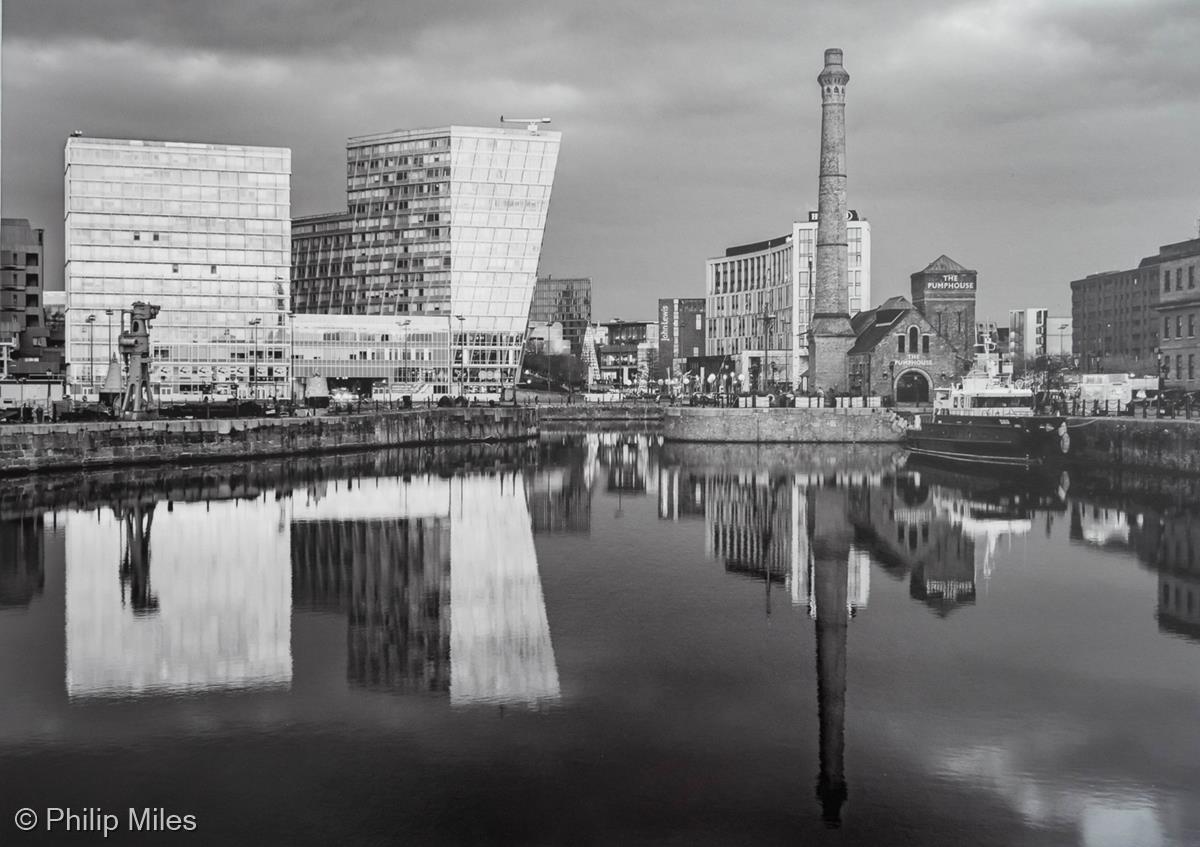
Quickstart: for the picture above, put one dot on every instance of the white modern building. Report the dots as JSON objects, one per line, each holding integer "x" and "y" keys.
{"x": 443, "y": 228}
{"x": 760, "y": 299}
{"x": 1035, "y": 332}
{"x": 200, "y": 230}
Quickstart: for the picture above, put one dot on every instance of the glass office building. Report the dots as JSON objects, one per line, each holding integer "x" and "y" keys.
{"x": 442, "y": 224}
{"x": 201, "y": 230}
{"x": 563, "y": 301}
{"x": 383, "y": 355}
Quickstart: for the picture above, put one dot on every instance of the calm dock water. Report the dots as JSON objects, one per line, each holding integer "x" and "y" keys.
{"x": 603, "y": 639}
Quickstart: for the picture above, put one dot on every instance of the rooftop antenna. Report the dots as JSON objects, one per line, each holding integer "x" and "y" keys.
{"x": 531, "y": 124}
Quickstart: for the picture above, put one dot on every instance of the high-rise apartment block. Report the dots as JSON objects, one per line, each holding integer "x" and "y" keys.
{"x": 200, "y": 230}
{"x": 563, "y": 301}
{"x": 443, "y": 231}
{"x": 21, "y": 280}
{"x": 1035, "y": 333}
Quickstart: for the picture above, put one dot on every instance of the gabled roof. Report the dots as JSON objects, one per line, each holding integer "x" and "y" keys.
{"x": 944, "y": 264}
{"x": 874, "y": 325}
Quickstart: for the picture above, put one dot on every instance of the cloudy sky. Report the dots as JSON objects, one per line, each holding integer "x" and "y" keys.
{"x": 1035, "y": 141}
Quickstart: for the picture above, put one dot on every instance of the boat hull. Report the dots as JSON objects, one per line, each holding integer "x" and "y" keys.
{"x": 986, "y": 440}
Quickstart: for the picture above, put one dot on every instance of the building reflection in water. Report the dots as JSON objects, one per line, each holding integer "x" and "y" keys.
{"x": 559, "y": 489}
{"x": 500, "y": 647}
{"x": 1167, "y": 541}
{"x": 164, "y": 598}
{"x": 23, "y": 551}
{"x": 758, "y": 524}
{"x": 439, "y": 582}
{"x": 378, "y": 551}
{"x": 945, "y": 530}
{"x": 1179, "y": 576}
{"x": 791, "y": 530}
{"x": 817, "y": 533}
{"x": 629, "y": 460}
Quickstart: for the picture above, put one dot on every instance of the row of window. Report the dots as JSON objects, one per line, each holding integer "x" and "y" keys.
{"x": 174, "y": 176}
{"x": 907, "y": 342}
{"x": 270, "y": 160}
{"x": 1178, "y": 322}
{"x": 1179, "y": 372}
{"x": 369, "y": 151}
{"x": 207, "y": 194}
{"x": 396, "y": 176}
{"x": 126, "y": 223}
{"x": 1191, "y": 278}
{"x": 177, "y": 256}
{"x": 178, "y": 208}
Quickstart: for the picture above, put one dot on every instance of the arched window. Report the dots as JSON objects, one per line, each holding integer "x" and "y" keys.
{"x": 900, "y": 343}
{"x": 925, "y": 343}
{"x": 913, "y": 334}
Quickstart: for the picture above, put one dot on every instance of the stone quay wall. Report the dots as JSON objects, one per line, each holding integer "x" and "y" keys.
{"x": 783, "y": 425}
{"x": 602, "y": 413}
{"x": 39, "y": 447}
{"x": 1136, "y": 443}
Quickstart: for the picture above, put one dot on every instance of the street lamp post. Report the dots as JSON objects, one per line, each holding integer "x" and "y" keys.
{"x": 404, "y": 371}
{"x": 463, "y": 351}
{"x": 254, "y": 322}
{"x": 811, "y": 303}
{"x": 1163, "y": 363}
{"x": 109, "y": 312}
{"x": 291, "y": 375}
{"x": 91, "y": 322}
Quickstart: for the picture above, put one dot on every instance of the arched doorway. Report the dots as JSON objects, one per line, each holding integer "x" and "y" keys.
{"x": 912, "y": 387}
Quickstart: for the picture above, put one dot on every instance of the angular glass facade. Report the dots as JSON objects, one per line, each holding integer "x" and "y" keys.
{"x": 564, "y": 301}
{"x": 440, "y": 223}
{"x": 201, "y": 230}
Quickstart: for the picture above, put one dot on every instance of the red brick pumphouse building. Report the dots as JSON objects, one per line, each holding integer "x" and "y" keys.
{"x": 904, "y": 350}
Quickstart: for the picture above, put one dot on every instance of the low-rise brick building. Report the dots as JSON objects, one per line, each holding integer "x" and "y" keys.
{"x": 899, "y": 354}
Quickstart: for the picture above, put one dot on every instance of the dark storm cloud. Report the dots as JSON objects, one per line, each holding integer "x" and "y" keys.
{"x": 688, "y": 126}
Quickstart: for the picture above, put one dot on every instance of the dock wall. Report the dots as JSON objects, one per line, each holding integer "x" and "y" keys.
{"x": 782, "y": 425}
{"x": 1136, "y": 443}
{"x": 602, "y": 413}
{"x": 38, "y": 447}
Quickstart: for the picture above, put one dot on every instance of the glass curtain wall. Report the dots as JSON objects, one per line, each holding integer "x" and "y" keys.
{"x": 499, "y": 196}
{"x": 442, "y": 223}
{"x": 203, "y": 231}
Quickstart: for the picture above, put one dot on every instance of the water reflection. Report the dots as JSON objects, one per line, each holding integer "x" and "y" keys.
{"x": 438, "y": 579}
{"x": 1166, "y": 539}
{"x": 379, "y": 553}
{"x": 945, "y": 528}
{"x": 559, "y": 489}
{"x": 23, "y": 551}
{"x": 164, "y": 598}
{"x": 441, "y": 587}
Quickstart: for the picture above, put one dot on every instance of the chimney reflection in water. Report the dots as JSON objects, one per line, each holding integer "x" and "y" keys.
{"x": 830, "y": 545}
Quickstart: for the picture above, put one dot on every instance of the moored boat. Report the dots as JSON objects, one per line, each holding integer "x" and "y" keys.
{"x": 987, "y": 419}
